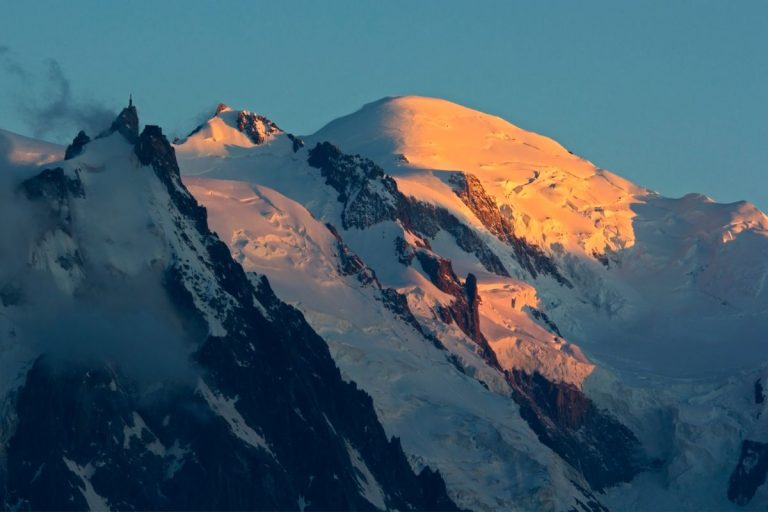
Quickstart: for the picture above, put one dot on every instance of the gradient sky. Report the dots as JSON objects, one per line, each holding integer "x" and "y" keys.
{"x": 673, "y": 95}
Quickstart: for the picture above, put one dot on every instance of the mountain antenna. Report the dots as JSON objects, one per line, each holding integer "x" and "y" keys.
{"x": 130, "y": 100}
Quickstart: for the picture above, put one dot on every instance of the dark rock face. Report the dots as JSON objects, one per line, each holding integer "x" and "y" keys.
{"x": 562, "y": 416}
{"x": 590, "y": 502}
{"x": 427, "y": 220}
{"x": 370, "y": 196}
{"x": 297, "y": 142}
{"x": 465, "y": 308}
{"x": 54, "y": 190}
{"x": 153, "y": 149}
{"x": 404, "y": 251}
{"x": 469, "y": 189}
{"x": 52, "y": 185}
{"x": 473, "y": 301}
{"x": 544, "y": 319}
{"x": 471, "y": 192}
{"x": 267, "y": 423}
{"x": 256, "y": 127}
{"x": 350, "y": 263}
{"x": 365, "y": 191}
{"x": 397, "y": 303}
{"x": 127, "y": 124}
{"x": 77, "y": 145}
{"x": 602, "y": 258}
{"x": 750, "y": 472}
{"x": 565, "y": 419}
{"x": 76, "y": 419}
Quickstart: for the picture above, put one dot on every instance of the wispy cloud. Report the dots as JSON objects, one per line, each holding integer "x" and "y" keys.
{"x": 10, "y": 65}
{"x": 46, "y": 101}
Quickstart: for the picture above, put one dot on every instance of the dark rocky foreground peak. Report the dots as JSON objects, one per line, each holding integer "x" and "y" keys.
{"x": 77, "y": 145}
{"x": 266, "y": 422}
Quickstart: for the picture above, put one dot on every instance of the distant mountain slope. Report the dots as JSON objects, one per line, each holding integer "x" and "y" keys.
{"x": 18, "y": 150}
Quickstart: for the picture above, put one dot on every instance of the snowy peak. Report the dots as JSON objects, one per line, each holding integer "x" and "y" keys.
{"x": 435, "y": 133}
{"x": 229, "y": 127}
{"x": 551, "y": 198}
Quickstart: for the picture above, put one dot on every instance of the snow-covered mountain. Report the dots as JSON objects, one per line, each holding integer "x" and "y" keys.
{"x": 141, "y": 368}
{"x": 545, "y": 333}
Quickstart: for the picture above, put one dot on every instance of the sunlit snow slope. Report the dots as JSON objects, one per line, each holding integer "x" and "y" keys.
{"x": 684, "y": 275}
{"x": 443, "y": 417}
{"x": 514, "y": 255}
{"x": 553, "y": 196}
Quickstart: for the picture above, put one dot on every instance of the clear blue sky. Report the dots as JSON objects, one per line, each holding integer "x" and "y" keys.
{"x": 671, "y": 94}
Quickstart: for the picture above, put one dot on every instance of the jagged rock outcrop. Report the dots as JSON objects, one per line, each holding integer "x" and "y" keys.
{"x": 54, "y": 191}
{"x": 427, "y": 220}
{"x": 544, "y": 319}
{"x": 370, "y": 196}
{"x": 297, "y": 142}
{"x": 464, "y": 310}
{"x": 750, "y": 472}
{"x": 469, "y": 189}
{"x": 604, "y": 450}
{"x": 590, "y": 502}
{"x": 565, "y": 419}
{"x": 397, "y": 303}
{"x": 126, "y": 123}
{"x": 153, "y": 149}
{"x": 77, "y": 145}
{"x": 257, "y": 127}
{"x": 350, "y": 263}
{"x": 52, "y": 185}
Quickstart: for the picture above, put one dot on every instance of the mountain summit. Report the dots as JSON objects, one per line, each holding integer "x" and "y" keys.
{"x": 604, "y": 313}
{"x": 228, "y": 127}
{"x": 413, "y": 124}
{"x": 420, "y": 306}
{"x": 143, "y": 369}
